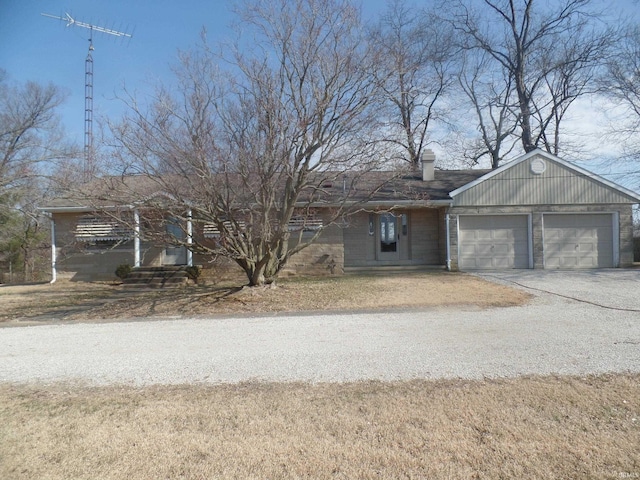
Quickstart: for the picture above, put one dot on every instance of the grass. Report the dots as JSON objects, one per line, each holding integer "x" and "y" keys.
{"x": 75, "y": 301}
{"x": 534, "y": 427}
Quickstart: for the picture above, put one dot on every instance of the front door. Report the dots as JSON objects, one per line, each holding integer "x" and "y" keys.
{"x": 175, "y": 254}
{"x": 388, "y": 237}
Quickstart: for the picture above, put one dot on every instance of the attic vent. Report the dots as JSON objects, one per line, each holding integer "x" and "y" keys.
{"x": 538, "y": 166}
{"x": 101, "y": 229}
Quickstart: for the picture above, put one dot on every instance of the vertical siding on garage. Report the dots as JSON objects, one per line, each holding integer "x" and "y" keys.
{"x": 557, "y": 185}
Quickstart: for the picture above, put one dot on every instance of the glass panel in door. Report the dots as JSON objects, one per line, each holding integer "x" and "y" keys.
{"x": 388, "y": 237}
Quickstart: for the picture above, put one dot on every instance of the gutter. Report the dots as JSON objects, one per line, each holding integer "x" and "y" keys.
{"x": 381, "y": 203}
{"x": 83, "y": 209}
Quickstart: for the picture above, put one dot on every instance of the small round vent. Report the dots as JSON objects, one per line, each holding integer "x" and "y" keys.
{"x": 538, "y": 166}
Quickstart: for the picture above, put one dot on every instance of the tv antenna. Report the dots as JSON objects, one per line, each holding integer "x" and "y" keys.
{"x": 88, "y": 81}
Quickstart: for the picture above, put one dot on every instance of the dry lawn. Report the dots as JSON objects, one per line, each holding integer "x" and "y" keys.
{"x": 74, "y": 301}
{"x": 534, "y": 428}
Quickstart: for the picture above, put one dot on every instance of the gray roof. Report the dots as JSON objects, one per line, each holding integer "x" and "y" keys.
{"x": 411, "y": 187}
{"x": 388, "y": 187}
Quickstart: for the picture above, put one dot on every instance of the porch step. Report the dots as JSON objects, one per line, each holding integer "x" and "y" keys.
{"x": 156, "y": 277}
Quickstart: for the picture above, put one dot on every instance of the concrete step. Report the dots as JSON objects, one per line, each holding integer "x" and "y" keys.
{"x": 156, "y": 277}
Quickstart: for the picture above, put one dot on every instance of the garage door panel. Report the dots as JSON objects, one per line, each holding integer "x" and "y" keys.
{"x": 587, "y": 248}
{"x": 501, "y": 249}
{"x": 483, "y": 250}
{"x": 587, "y": 263}
{"x": 578, "y": 241}
{"x": 502, "y": 235}
{"x": 493, "y": 242}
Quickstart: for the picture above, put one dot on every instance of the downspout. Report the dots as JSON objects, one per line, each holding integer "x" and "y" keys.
{"x": 189, "y": 239}
{"x": 136, "y": 238}
{"x": 446, "y": 221}
{"x": 54, "y": 270}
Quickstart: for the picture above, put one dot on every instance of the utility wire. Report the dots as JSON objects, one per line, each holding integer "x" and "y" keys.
{"x": 620, "y": 309}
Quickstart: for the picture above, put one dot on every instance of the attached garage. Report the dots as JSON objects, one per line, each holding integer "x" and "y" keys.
{"x": 578, "y": 241}
{"x": 493, "y": 241}
{"x": 539, "y": 211}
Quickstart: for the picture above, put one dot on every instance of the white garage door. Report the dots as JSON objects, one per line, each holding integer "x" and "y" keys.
{"x": 493, "y": 242}
{"x": 578, "y": 241}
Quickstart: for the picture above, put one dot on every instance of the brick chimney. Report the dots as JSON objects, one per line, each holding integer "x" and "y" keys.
{"x": 428, "y": 161}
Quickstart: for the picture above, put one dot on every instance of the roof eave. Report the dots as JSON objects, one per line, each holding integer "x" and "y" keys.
{"x": 82, "y": 209}
{"x": 382, "y": 204}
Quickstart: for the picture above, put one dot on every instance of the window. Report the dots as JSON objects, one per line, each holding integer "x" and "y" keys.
{"x": 211, "y": 230}
{"x": 388, "y": 240}
{"x": 101, "y": 231}
{"x": 306, "y": 223}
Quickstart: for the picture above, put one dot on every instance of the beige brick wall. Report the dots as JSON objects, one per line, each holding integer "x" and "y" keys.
{"x": 359, "y": 246}
{"x": 425, "y": 237}
{"x": 323, "y": 257}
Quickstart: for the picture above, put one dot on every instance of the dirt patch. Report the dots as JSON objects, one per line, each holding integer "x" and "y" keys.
{"x": 535, "y": 428}
{"x": 73, "y": 301}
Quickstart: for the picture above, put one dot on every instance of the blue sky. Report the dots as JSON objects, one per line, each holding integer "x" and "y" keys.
{"x": 38, "y": 48}
{"x": 33, "y": 47}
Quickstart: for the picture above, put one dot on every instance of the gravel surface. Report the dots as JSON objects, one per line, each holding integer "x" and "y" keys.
{"x": 550, "y": 335}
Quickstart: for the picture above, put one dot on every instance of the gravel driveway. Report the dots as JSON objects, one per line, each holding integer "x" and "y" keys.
{"x": 553, "y": 334}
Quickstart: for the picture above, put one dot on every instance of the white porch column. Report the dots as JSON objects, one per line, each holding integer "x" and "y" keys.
{"x": 136, "y": 238}
{"x": 447, "y": 222}
{"x": 189, "y": 239}
{"x": 54, "y": 270}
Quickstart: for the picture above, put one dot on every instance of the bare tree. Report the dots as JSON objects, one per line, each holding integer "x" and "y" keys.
{"x": 621, "y": 83}
{"x": 491, "y": 97}
{"x": 242, "y": 153}
{"x": 547, "y": 51}
{"x": 577, "y": 59}
{"x": 31, "y": 142}
{"x": 414, "y": 69}
{"x": 30, "y": 133}
{"x": 25, "y": 233}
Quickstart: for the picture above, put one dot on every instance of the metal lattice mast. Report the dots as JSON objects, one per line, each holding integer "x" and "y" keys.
{"x": 88, "y": 107}
{"x": 88, "y": 82}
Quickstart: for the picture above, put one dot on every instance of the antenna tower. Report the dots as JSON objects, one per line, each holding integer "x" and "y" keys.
{"x": 88, "y": 82}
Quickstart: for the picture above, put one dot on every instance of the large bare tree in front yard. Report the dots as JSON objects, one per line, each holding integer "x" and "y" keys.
{"x": 248, "y": 145}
